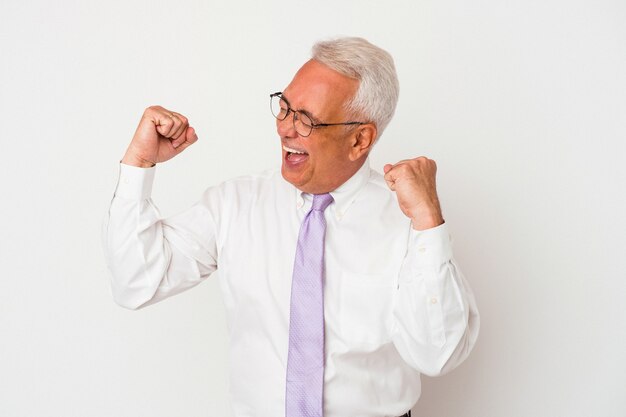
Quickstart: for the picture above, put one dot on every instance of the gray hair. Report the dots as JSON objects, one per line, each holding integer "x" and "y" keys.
{"x": 378, "y": 91}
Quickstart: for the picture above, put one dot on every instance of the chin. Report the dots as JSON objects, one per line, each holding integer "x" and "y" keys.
{"x": 297, "y": 181}
{"x": 290, "y": 177}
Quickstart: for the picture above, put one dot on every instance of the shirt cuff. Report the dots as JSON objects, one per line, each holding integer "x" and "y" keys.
{"x": 430, "y": 247}
{"x": 135, "y": 183}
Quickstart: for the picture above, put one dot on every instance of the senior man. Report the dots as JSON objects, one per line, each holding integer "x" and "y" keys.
{"x": 339, "y": 283}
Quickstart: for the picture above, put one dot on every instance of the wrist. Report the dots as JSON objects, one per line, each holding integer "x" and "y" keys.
{"x": 427, "y": 222}
{"x": 130, "y": 159}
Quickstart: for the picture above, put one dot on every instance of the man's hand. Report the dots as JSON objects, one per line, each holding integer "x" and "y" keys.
{"x": 161, "y": 135}
{"x": 413, "y": 180}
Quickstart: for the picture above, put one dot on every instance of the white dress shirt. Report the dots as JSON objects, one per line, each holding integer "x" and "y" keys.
{"x": 396, "y": 304}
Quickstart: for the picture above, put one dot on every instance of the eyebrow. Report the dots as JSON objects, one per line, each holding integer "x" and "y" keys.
{"x": 304, "y": 111}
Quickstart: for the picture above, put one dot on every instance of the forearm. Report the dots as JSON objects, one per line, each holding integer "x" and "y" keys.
{"x": 150, "y": 258}
{"x": 435, "y": 316}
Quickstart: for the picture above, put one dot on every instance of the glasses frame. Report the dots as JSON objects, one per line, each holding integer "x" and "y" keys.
{"x": 297, "y": 112}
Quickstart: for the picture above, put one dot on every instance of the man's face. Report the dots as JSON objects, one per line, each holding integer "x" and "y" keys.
{"x": 326, "y": 163}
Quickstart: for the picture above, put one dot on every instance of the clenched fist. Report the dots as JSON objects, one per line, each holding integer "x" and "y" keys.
{"x": 161, "y": 135}
{"x": 413, "y": 180}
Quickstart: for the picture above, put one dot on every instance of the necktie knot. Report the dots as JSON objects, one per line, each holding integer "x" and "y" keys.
{"x": 321, "y": 201}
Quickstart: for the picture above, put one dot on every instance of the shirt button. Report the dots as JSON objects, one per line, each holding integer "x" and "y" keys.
{"x": 125, "y": 180}
{"x": 421, "y": 249}
{"x": 433, "y": 300}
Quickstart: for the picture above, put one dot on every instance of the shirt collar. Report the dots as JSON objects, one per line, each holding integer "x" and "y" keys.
{"x": 343, "y": 195}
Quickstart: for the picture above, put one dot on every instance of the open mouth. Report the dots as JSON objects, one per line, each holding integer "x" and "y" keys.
{"x": 295, "y": 155}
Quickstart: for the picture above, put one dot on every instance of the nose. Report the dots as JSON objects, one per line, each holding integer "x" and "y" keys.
{"x": 285, "y": 127}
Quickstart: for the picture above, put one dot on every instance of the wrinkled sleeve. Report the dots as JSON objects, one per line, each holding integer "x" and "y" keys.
{"x": 435, "y": 318}
{"x": 151, "y": 258}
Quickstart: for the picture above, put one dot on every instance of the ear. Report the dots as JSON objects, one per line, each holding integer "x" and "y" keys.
{"x": 363, "y": 141}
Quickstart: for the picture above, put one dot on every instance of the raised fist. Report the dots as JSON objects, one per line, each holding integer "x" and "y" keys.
{"x": 413, "y": 180}
{"x": 161, "y": 135}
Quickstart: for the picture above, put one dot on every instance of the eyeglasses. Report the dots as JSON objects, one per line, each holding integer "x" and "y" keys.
{"x": 302, "y": 122}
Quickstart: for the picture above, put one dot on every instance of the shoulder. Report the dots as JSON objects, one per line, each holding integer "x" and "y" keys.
{"x": 378, "y": 186}
{"x": 245, "y": 189}
{"x": 264, "y": 179}
{"x": 378, "y": 197}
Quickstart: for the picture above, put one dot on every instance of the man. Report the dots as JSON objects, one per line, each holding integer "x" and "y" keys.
{"x": 347, "y": 328}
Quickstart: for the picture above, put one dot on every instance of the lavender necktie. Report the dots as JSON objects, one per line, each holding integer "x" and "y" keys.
{"x": 305, "y": 364}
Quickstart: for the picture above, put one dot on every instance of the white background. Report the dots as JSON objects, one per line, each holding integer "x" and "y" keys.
{"x": 521, "y": 103}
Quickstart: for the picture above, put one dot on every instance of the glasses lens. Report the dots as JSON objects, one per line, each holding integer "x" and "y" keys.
{"x": 303, "y": 124}
{"x": 279, "y": 107}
